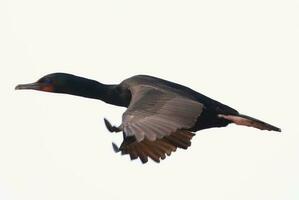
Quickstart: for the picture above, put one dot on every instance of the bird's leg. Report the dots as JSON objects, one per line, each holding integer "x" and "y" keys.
{"x": 115, "y": 147}
{"x": 110, "y": 127}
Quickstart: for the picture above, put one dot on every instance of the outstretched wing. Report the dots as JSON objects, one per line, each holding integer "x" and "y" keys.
{"x": 159, "y": 116}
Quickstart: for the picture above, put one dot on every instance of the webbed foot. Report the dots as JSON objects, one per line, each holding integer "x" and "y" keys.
{"x": 110, "y": 127}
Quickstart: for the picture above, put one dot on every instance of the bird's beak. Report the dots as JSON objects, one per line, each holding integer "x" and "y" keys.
{"x": 29, "y": 86}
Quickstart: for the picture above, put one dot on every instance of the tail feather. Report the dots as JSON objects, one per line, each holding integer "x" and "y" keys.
{"x": 245, "y": 120}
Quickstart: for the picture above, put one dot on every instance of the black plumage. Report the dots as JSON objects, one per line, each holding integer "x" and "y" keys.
{"x": 161, "y": 116}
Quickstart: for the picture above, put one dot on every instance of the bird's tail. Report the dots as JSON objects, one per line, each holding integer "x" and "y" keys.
{"x": 245, "y": 120}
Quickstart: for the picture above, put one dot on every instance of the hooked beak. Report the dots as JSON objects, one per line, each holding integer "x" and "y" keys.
{"x": 29, "y": 86}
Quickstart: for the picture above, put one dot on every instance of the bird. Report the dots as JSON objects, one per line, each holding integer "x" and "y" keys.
{"x": 161, "y": 115}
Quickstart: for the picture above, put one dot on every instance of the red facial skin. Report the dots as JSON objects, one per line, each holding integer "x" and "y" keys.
{"x": 47, "y": 88}
{"x": 36, "y": 86}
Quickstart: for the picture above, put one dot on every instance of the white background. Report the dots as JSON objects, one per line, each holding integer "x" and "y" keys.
{"x": 242, "y": 53}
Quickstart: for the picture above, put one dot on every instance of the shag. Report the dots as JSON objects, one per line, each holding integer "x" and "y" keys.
{"x": 161, "y": 116}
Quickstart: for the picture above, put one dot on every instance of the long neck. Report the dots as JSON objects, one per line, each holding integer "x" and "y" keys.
{"x": 112, "y": 94}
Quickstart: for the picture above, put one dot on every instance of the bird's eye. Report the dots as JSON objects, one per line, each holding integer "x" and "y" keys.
{"x": 45, "y": 80}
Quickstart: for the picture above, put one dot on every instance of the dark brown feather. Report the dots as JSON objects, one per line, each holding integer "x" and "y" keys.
{"x": 149, "y": 152}
{"x": 173, "y": 140}
{"x": 133, "y": 153}
{"x": 182, "y": 138}
{"x": 157, "y": 149}
{"x": 141, "y": 154}
{"x": 165, "y": 147}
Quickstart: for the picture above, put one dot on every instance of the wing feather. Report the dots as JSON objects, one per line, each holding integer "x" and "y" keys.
{"x": 159, "y": 148}
{"x": 155, "y": 113}
{"x": 158, "y": 121}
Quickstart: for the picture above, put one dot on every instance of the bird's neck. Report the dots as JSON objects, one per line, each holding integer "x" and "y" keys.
{"x": 112, "y": 94}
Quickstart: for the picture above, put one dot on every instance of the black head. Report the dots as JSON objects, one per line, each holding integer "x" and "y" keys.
{"x": 56, "y": 82}
{"x": 79, "y": 86}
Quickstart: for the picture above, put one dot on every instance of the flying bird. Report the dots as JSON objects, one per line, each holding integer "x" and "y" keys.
{"x": 161, "y": 116}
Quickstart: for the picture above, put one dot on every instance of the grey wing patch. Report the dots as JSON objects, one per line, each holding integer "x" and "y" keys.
{"x": 154, "y": 113}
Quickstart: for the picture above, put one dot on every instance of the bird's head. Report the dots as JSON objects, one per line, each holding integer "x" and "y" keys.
{"x": 75, "y": 85}
{"x": 56, "y": 82}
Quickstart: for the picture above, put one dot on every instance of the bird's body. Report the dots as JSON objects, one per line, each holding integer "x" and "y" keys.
{"x": 160, "y": 116}
{"x": 211, "y": 108}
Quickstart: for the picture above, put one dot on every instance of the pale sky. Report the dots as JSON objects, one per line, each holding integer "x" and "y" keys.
{"x": 244, "y": 54}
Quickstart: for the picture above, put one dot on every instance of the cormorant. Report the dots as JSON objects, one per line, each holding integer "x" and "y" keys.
{"x": 160, "y": 116}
